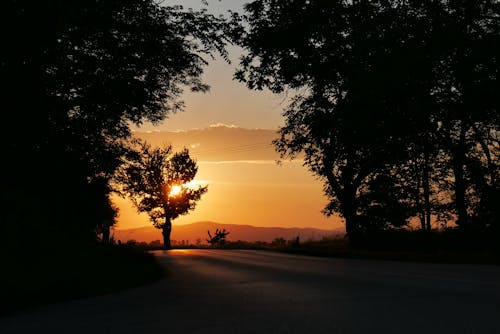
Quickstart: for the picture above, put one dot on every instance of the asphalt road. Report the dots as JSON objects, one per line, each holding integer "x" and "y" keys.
{"x": 209, "y": 291}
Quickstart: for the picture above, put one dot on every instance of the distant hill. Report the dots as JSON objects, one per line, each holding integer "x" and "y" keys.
{"x": 192, "y": 232}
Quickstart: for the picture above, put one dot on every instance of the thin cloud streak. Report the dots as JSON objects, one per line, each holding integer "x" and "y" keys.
{"x": 251, "y": 162}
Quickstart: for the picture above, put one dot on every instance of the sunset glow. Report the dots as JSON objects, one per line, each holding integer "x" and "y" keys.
{"x": 196, "y": 183}
{"x": 245, "y": 185}
{"x": 229, "y": 132}
{"x": 176, "y": 190}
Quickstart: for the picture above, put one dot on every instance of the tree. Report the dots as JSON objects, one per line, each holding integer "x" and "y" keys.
{"x": 384, "y": 203}
{"x": 359, "y": 87}
{"x": 74, "y": 76}
{"x": 467, "y": 86}
{"x": 379, "y": 86}
{"x": 158, "y": 182}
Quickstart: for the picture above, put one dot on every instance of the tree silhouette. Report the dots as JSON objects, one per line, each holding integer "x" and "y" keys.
{"x": 387, "y": 96}
{"x": 467, "y": 80}
{"x": 74, "y": 76}
{"x": 157, "y": 181}
{"x": 354, "y": 70}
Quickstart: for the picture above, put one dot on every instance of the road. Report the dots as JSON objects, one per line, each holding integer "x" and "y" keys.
{"x": 211, "y": 291}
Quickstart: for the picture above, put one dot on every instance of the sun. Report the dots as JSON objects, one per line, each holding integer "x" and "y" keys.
{"x": 176, "y": 190}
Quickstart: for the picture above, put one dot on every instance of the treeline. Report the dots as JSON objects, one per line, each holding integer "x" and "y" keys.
{"x": 395, "y": 105}
{"x": 276, "y": 244}
{"x": 75, "y": 75}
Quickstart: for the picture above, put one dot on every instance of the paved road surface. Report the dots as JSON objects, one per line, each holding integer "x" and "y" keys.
{"x": 209, "y": 291}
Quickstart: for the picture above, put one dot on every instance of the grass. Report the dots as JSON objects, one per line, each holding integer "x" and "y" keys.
{"x": 32, "y": 278}
{"x": 438, "y": 256}
{"x": 437, "y": 246}
{"x": 442, "y": 247}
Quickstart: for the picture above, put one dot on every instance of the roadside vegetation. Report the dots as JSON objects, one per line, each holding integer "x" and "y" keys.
{"x": 443, "y": 247}
{"x": 447, "y": 246}
{"x": 52, "y": 274}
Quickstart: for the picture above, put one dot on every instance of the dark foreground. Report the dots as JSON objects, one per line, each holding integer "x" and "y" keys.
{"x": 34, "y": 277}
{"x": 209, "y": 291}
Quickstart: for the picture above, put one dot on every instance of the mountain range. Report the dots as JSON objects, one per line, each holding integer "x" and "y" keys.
{"x": 194, "y": 231}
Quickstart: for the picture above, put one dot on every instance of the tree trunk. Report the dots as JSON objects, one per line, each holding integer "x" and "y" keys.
{"x": 418, "y": 204}
{"x": 350, "y": 224}
{"x": 352, "y": 230}
{"x": 460, "y": 193}
{"x": 421, "y": 216}
{"x": 427, "y": 192}
{"x": 460, "y": 186}
{"x": 105, "y": 233}
{"x": 489, "y": 160}
{"x": 350, "y": 215}
{"x": 166, "y": 231}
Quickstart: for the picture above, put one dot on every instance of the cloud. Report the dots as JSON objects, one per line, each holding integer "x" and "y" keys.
{"x": 222, "y": 125}
{"x": 197, "y": 183}
{"x": 250, "y": 162}
{"x": 230, "y": 162}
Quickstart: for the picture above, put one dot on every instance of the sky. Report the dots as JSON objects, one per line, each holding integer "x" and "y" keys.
{"x": 246, "y": 186}
{"x": 228, "y": 101}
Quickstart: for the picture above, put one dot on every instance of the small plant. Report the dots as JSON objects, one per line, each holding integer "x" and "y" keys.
{"x": 218, "y": 239}
{"x": 279, "y": 242}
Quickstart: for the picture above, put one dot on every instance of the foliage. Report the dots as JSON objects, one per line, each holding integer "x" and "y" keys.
{"x": 392, "y": 103}
{"x": 74, "y": 76}
{"x": 149, "y": 177}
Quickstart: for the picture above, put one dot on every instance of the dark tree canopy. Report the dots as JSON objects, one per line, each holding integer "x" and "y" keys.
{"x": 92, "y": 67}
{"x": 74, "y": 76}
{"x": 157, "y": 180}
{"x": 390, "y": 98}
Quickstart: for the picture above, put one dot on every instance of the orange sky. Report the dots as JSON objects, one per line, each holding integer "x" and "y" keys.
{"x": 245, "y": 184}
{"x": 228, "y": 102}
